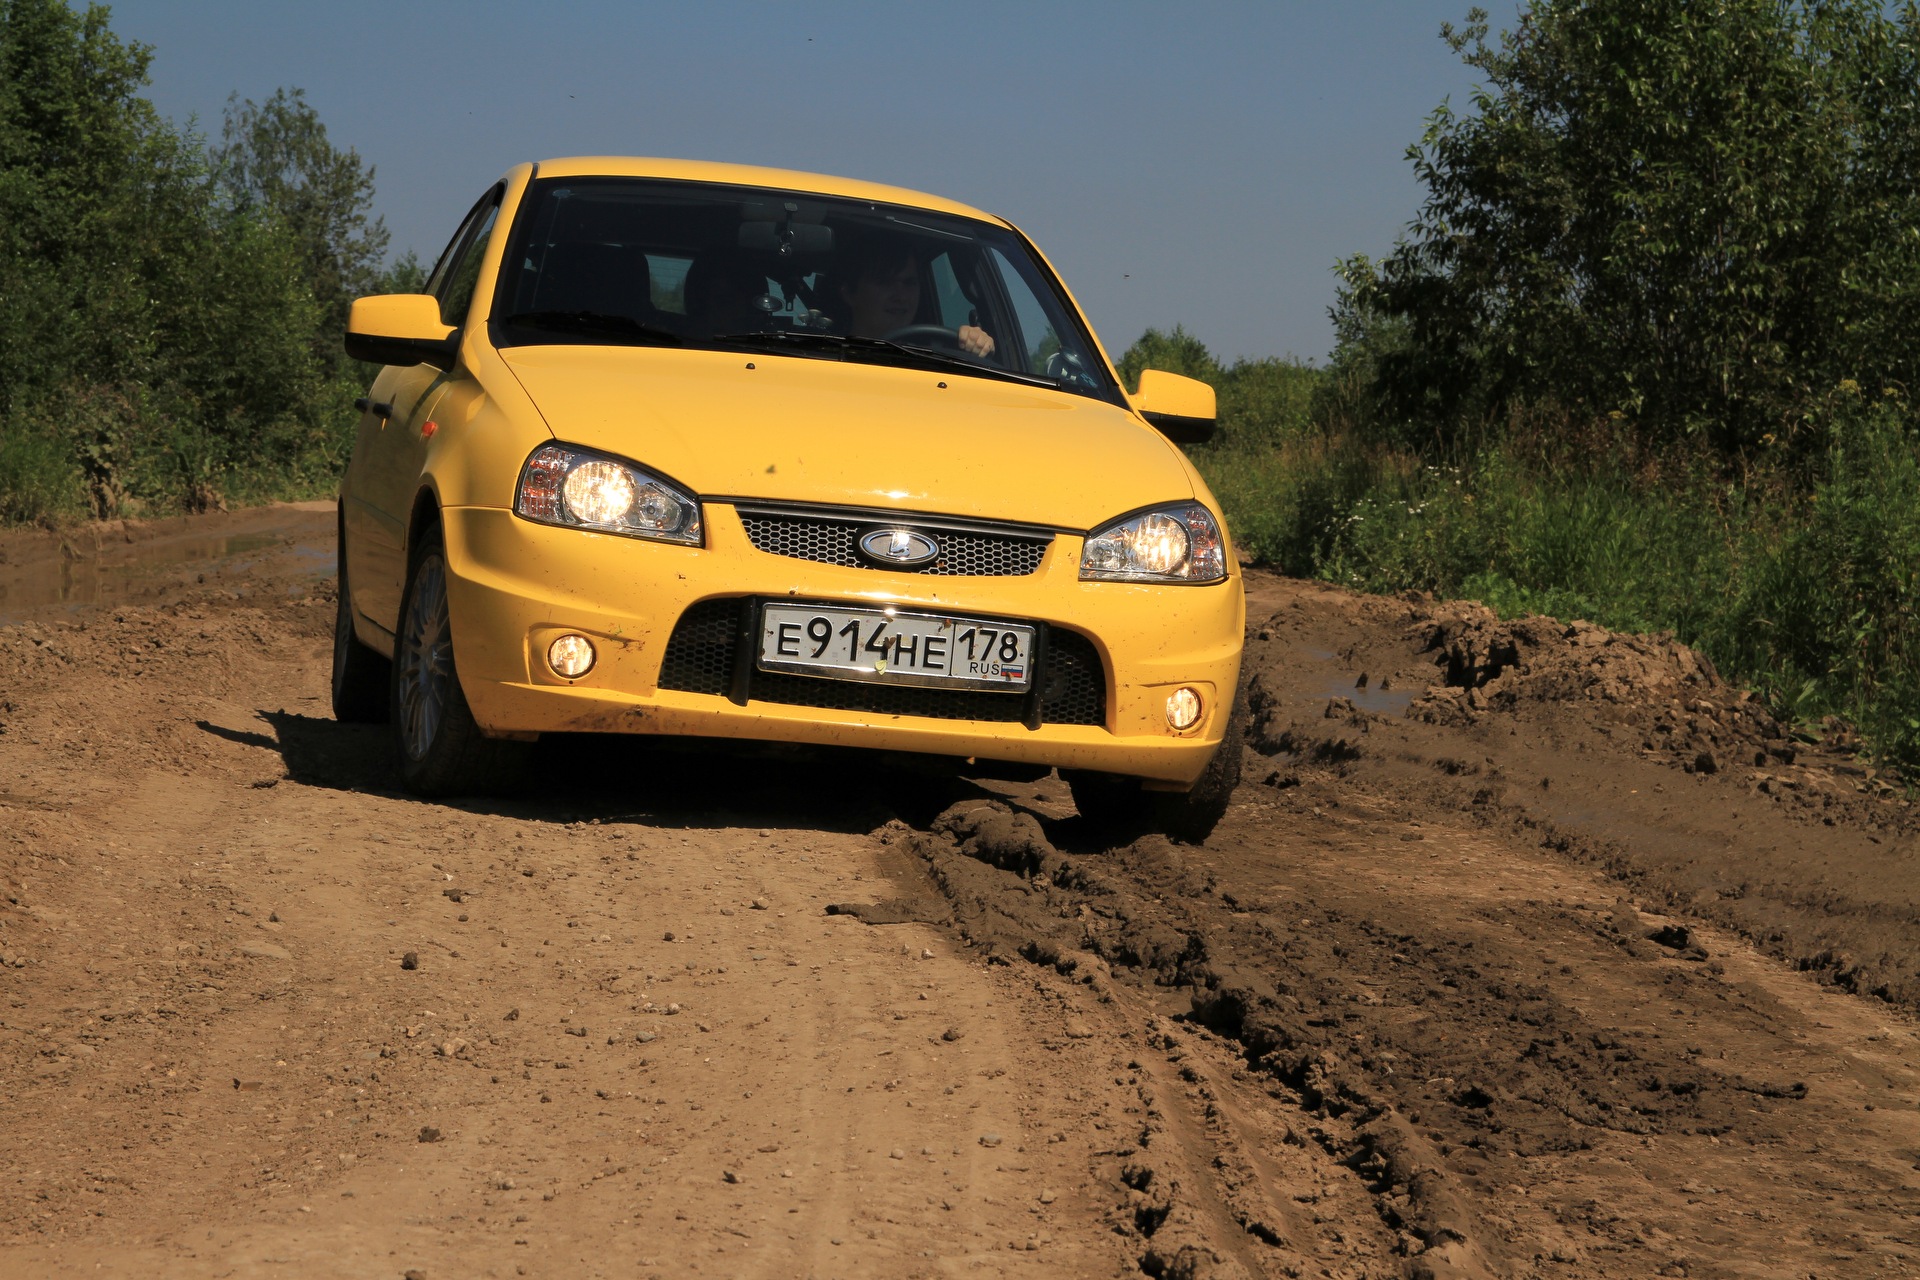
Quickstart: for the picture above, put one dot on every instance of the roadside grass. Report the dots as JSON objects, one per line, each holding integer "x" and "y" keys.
{"x": 103, "y": 452}
{"x": 1805, "y": 587}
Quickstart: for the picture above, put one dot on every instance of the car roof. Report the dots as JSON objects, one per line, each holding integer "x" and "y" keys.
{"x": 747, "y": 175}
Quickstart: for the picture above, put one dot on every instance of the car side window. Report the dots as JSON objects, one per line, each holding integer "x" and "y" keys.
{"x": 437, "y": 278}
{"x": 1042, "y": 343}
{"x": 463, "y": 271}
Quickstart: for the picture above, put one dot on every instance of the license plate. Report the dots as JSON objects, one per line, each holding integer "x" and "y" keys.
{"x": 896, "y": 647}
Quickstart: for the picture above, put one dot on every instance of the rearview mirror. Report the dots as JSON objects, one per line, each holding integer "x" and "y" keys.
{"x": 1181, "y": 409}
{"x": 400, "y": 328}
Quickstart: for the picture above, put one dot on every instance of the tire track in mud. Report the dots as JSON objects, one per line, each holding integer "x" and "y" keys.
{"x": 1440, "y": 1059}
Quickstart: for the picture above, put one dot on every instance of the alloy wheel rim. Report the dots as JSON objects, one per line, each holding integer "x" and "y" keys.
{"x": 426, "y": 659}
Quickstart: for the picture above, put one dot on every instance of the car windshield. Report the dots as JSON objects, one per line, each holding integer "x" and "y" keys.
{"x": 625, "y": 261}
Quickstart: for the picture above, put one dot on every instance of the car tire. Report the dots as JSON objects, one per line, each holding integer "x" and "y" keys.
{"x": 1119, "y": 809}
{"x": 440, "y": 749}
{"x": 360, "y": 676}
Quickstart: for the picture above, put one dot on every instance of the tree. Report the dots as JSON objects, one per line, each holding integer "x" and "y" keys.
{"x": 275, "y": 160}
{"x": 160, "y": 343}
{"x": 1695, "y": 214}
{"x": 90, "y": 177}
{"x": 1176, "y": 352}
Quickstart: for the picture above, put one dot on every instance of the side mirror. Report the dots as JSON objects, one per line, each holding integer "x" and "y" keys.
{"x": 1181, "y": 409}
{"x": 401, "y": 329}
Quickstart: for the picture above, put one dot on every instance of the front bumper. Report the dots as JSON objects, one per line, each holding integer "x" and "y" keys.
{"x": 515, "y": 586}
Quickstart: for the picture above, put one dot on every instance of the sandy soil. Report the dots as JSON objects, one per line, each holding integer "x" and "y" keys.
{"x": 1539, "y": 952}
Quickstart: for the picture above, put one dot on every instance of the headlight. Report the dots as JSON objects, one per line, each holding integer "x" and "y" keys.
{"x": 567, "y": 486}
{"x": 1178, "y": 543}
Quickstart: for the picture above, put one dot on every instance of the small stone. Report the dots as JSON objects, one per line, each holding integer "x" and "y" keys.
{"x": 1078, "y": 1030}
{"x": 673, "y": 1007}
{"x": 733, "y": 1177}
{"x": 644, "y": 1037}
{"x": 457, "y": 895}
{"x": 926, "y": 953}
{"x": 951, "y": 1034}
{"x": 1046, "y": 1197}
{"x": 429, "y": 1134}
{"x": 989, "y": 1139}
{"x": 759, "y": 904}
{"x": 463, "y": 917}
{"x": 413, "y": 1273}
{"x": 265, "y": 951}
{"x": 667, "y": 936}
{"x": 411, "y": 960}
{"x": 511, "y": 1015}
{"x": 273, "y": 917}
{"x": 898, "y": 1153}
{"x": 246, "y": 1086}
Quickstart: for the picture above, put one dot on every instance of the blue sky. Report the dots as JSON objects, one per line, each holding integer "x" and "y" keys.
{"x": 1194, "y": 163}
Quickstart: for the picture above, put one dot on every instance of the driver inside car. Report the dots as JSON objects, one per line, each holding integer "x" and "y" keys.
{"x": 881, "y": 288}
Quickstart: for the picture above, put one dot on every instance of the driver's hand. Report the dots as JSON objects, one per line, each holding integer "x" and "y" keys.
{"x": 975, "y": 342}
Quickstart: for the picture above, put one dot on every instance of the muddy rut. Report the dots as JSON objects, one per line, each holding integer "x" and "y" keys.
{"x": 1525, "y": 950}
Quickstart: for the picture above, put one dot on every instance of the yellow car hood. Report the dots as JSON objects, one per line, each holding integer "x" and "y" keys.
{"x": 749, "y": 425}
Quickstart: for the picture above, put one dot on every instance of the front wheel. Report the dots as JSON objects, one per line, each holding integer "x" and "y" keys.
{"x": 1120, "y": 809}
{"x": 441, "y": 750}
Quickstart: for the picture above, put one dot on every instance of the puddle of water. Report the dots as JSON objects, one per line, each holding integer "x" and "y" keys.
{"x": 64, "y": 585}
{"x": 1386, "y": 702}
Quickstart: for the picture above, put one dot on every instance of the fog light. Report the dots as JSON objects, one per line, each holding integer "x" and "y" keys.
{"x": 1183, "y": 709}
{"x": 572, "y": 657}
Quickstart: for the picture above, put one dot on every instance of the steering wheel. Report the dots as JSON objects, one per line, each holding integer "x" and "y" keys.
{"x": 929, "y": 334}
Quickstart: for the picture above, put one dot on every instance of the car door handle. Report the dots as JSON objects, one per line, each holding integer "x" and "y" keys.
{"x": 381, "y": 407}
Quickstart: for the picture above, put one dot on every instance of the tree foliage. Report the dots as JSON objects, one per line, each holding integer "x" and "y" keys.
{"x": 169, "y": 317}
{"x": 1699, "y": 215}
{"x": 275, "y": 160}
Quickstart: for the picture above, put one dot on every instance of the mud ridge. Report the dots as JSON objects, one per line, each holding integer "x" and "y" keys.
{"x": 1013, "y": 893}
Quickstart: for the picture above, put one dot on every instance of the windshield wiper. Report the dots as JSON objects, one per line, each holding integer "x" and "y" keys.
{"x": 849, "y": 342}
{"x": 596, "y": 322}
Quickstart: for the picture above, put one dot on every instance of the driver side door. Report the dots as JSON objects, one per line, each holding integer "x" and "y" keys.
{"x": 390, "y": 449}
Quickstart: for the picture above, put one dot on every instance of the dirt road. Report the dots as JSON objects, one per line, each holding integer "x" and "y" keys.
{"x": 1539, "y": 952}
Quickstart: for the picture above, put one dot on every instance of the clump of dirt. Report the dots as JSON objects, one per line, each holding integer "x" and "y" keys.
{"x": 1488, "y": 666}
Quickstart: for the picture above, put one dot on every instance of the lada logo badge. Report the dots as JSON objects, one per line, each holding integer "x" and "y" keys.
{"x": 902, "y": 548}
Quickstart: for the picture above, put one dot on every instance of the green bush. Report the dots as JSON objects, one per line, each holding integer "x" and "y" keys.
{"x": 1826, "y": 617}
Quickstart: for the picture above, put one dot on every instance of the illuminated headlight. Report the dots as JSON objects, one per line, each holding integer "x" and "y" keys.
{"x": 1180, "y": 543}
{"x": 567, "y": 486}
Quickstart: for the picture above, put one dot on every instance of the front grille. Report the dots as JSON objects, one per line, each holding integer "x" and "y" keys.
{"x": 700, "y": 657}
{"x": 963, "y": 553}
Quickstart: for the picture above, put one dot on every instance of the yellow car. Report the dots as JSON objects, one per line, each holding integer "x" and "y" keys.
{"x": 699, "y": 449}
